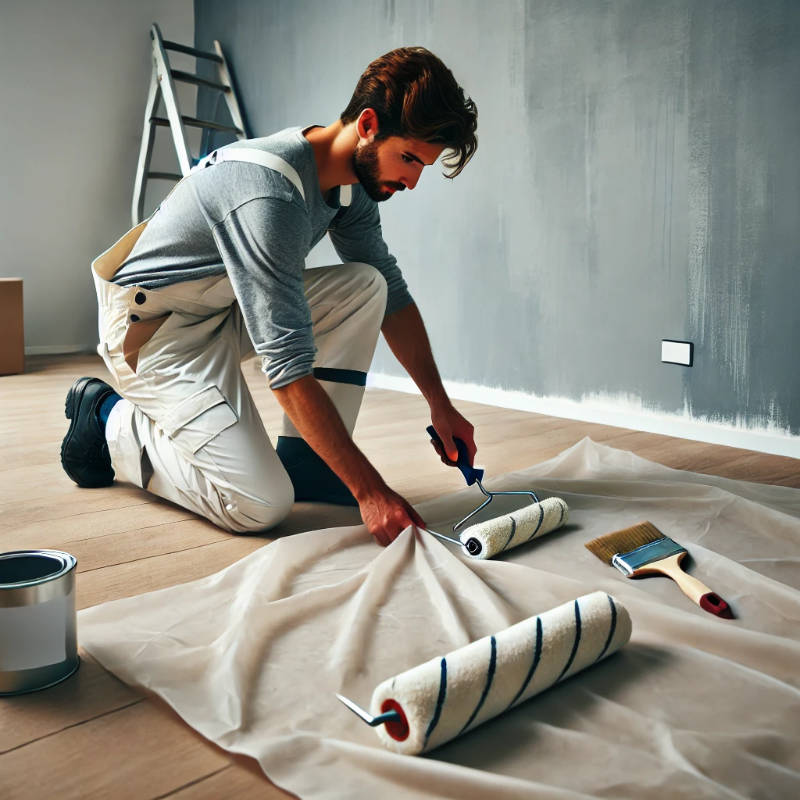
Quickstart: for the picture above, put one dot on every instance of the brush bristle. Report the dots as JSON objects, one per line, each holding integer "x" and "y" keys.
{"x": 606, "y": 547}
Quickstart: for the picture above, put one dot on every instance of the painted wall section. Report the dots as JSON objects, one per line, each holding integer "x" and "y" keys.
{"x": 75, "y": 79}
{"x": 744, "y": 265}
{"x": 636, "y": 179}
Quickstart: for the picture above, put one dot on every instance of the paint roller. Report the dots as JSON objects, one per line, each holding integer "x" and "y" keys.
{"x": 447, "y": 696}
{"x": 488, "y": 538}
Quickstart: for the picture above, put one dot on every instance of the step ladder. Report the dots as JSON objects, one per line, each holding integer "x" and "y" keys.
{"x": 162, "y": 86}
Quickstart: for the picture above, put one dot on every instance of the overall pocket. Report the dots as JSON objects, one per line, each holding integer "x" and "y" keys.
{"x": 138, "y": 335}
{"x": 195, "y": 421}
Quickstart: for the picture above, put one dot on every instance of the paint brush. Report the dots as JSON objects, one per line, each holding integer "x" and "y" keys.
{"x": 643, "y": 550}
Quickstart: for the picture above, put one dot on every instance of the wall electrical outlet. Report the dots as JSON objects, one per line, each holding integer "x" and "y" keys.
{"x": 677, "y": 352}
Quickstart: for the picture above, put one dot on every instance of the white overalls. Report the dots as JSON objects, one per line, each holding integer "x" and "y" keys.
{"x": 187, "y": 428}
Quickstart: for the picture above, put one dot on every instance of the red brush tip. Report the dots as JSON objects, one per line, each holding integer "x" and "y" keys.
{"x": 714, "y": 604}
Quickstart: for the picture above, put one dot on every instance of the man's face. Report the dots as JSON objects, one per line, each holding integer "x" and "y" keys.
{"x": 391, "y": 165}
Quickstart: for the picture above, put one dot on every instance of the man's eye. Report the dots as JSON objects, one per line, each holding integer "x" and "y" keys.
{"x": 407, "y": 159}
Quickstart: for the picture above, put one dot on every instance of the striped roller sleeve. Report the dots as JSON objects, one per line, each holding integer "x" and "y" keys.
{"x": 510, "y": 535}
{"x": 612, "y": 628}
{"x": 538, "y": 524}
{"x": 439, "y": 701}
{"x": 537, "y": 654}
{"x": 489, "y": 679}
{"x": 494, "y": 674}
{"x": 574, "y": 644}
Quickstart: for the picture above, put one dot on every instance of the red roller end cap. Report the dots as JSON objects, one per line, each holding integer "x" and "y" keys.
{"x": 397, "y": 729}
{"x": 714, "y": 604}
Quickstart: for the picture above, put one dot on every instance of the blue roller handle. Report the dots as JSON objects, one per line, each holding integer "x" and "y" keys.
{"x": 470, "y": 473}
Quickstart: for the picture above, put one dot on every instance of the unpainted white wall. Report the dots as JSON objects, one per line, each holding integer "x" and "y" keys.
{"x": 75, "y": 75}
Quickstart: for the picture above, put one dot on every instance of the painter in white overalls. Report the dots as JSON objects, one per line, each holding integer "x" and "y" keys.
{"x": 179, "y": 310}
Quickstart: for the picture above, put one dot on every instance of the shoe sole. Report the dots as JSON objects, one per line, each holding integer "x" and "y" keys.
{"x": 71, "y": 404}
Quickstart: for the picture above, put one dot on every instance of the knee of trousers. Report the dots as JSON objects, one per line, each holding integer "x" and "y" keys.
{"x": 244, "y": 513}
{"x": 369, "y": 283}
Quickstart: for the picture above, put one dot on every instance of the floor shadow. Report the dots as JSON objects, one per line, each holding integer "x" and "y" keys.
{"x": 311, "y": 517}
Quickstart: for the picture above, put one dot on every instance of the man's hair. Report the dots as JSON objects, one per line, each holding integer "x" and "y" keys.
{"x": 415, "y": 96}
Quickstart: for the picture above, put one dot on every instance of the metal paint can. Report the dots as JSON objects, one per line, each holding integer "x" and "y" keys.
{"x": 38, "y": 626}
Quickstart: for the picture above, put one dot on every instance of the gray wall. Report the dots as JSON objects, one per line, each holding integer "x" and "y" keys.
{"x": 637, "y": 179}
{"x": 74, "y": 82}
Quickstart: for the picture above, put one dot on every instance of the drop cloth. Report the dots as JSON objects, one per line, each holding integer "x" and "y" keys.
{"x": 693, "y": 706}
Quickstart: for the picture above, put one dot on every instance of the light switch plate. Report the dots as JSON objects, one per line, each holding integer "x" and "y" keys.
{"x": 677, "y": 352}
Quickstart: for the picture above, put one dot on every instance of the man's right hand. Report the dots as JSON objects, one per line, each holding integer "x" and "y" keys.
{"x": 386, "y": 514}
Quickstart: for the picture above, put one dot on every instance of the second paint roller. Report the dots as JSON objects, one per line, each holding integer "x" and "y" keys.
{"x": 445, "y": 697}
{"x": 490, "y": 537}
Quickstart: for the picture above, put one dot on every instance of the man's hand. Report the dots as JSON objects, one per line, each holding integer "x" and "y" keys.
{"x": 449, "y": 424}
{"x": 386, "y": 514}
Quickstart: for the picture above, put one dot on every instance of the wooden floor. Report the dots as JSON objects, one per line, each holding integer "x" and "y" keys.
{"x": 92, "y": 736}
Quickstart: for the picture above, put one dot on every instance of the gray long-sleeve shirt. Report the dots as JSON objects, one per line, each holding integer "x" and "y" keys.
{"x": 252, "y": 222}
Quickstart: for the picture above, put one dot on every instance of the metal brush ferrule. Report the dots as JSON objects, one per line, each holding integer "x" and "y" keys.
{"x": 628, "y": 563}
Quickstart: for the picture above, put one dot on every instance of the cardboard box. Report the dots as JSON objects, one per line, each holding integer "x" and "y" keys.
{"x": 12, "y": 331}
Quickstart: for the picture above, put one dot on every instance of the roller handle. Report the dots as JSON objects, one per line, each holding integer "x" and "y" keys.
{"x": 392, "y": 716}
{"x": 470, "y": 473}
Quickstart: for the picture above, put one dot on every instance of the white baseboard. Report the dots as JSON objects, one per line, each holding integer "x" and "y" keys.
{"x": 621, "y": 411}
{"x": 58, "y": 349}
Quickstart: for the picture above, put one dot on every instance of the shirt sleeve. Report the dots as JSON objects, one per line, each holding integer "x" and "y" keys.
{"x": 356, "y": 235}
{"x": 263, "y": 244}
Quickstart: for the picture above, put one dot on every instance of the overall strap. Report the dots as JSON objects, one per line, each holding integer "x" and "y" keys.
{"x": 107, "y": 264}
{"x": 253, "y": 156}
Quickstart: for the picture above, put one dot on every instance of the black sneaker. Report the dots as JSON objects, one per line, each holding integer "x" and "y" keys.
{"x": 313, "y": 480}
{"x": 84, "y": 451}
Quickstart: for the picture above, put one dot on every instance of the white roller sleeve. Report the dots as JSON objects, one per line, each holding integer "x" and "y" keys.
{"x": 447, "y": 696}
{"x": 518, "y": 527}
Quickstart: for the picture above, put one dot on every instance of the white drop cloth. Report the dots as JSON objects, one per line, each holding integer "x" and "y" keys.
{"x": 693, "y": 706}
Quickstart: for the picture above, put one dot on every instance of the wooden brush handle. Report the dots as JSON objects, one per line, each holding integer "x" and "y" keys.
{"x": 694, "y": 589}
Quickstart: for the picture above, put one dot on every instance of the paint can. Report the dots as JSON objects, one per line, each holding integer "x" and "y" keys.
{"x": 38, "y": 626}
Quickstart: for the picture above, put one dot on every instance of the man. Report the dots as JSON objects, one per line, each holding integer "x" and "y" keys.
{"x": 218, "y": 271}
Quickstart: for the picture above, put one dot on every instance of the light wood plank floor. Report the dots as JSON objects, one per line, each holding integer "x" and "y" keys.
{"x": 92, "y": 736}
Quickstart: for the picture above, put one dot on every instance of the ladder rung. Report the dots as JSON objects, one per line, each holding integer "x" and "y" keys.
{"x": 165, "y": 176}
{"x": 187, "y": 77}
{"x": 182, "y": 48}
{"x": 197, "y": 123}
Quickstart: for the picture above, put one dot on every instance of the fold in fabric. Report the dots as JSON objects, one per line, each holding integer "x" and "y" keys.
{"x": 693, "y": 706}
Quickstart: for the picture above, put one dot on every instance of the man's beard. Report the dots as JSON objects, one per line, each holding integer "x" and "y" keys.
{"x": 365, "y": 166}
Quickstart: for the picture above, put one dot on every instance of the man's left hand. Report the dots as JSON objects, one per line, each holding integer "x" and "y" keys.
{"x": 449, "y": 424}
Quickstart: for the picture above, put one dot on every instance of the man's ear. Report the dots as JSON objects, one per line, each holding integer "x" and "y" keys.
{"x": 367, "y": 125}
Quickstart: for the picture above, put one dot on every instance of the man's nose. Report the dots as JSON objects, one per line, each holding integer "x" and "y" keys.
{"x": 411, "y": 182}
